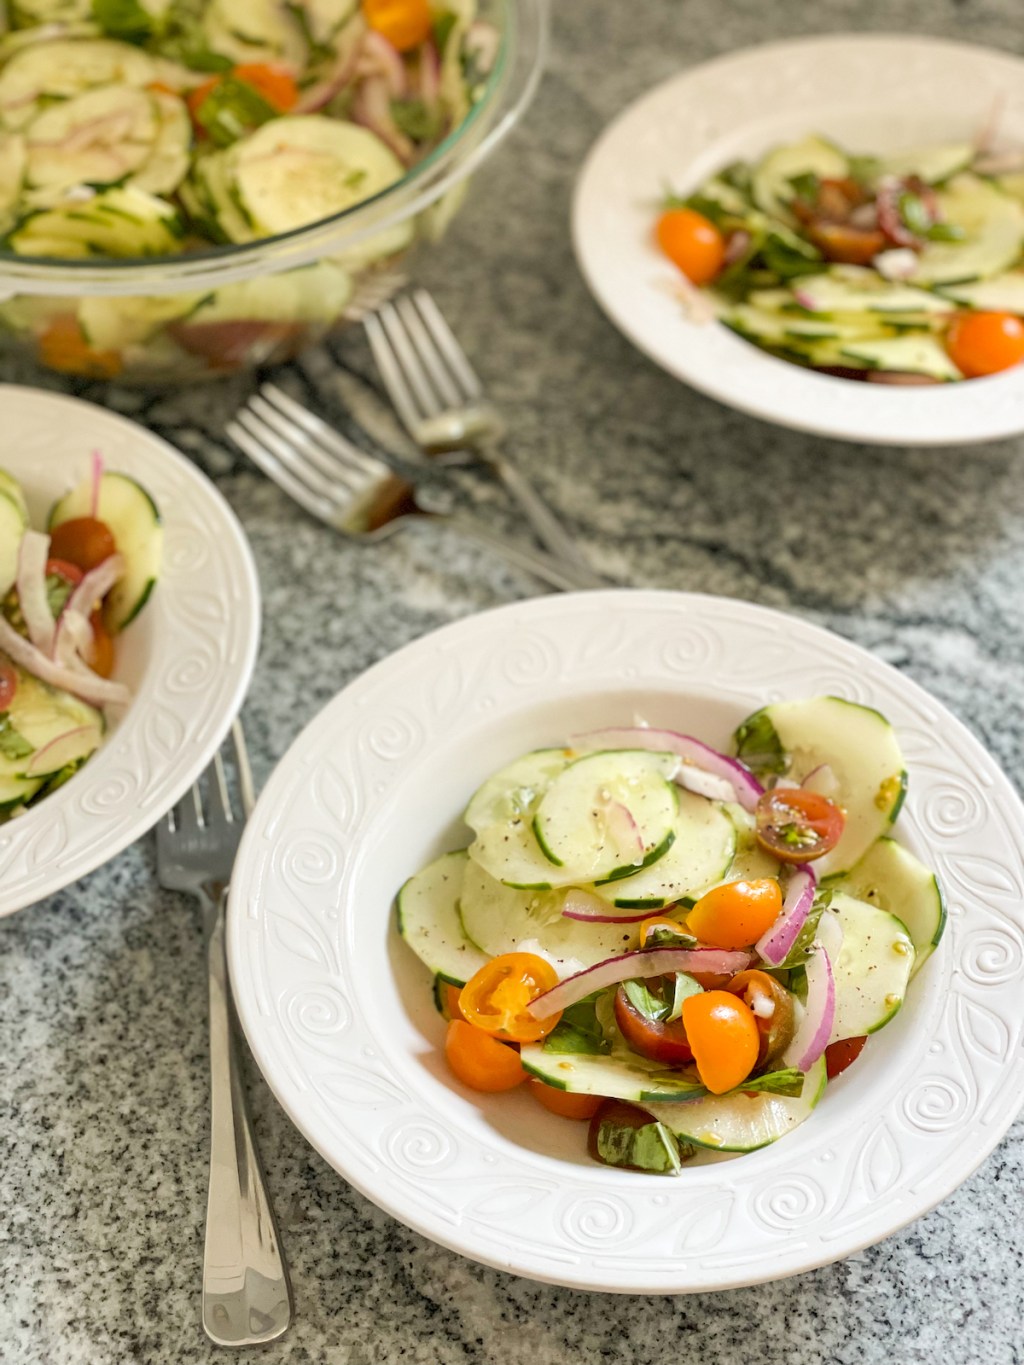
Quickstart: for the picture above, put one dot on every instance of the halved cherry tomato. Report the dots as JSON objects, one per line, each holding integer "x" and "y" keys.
{"x": 724, "y": 1036}
{"x": 479, "y": 1060}
{"x": 495, "y": 999}
{"x": 838, "y": 1056}
{"x": 736, "y": 914}
{"x": 849, "y": 245}
{"x": 82, "y": 541}
{"x": 691, "y": 242}
{"x": 985, "y": 343}
{"x": 62, "y": 346}
{"x": 622, "y": 1115}
{"x": 562, "y": 1102}
{"x": 101, "y": 656}
{"x": 657, "y": 924}
{"x": 274, "y": 83}
{"x": 404, "y": 23}
{"x": 8, "y": 684}
{"x": 450, "y": 1001}
{"x": 797, "y": 826}
{"x": 772, "y": 1007}
{"x": 662, "y": 1042}
{"x": 62, "y": 568}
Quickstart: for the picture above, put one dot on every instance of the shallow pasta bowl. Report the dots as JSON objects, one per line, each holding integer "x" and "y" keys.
{"x": 187, "y": 658}
{"x": 871, "y": 94}
{"x": 340, "y": 1015}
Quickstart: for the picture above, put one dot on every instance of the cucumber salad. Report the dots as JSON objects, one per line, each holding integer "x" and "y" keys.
{"x": 680, "y": 947}
{"x": 65, "y": 595}
{"x": 895, "y": 270}
{"x": 139, "y": 128}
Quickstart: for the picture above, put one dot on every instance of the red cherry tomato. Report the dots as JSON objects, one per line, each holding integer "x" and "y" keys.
{"x": 8, "y": 684}
{"x": 797, "y": 826}
{"x": 652, "y": 1038}
{"x": 985, "y": 343}
{"x": 83, "y": 541}
{"x": 691, "y": 242}
{"x": 838, "y": 1056}
{"x": 496, "y": 998}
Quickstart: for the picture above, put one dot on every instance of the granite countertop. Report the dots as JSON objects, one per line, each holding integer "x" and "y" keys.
{"x": 918, "y": 555}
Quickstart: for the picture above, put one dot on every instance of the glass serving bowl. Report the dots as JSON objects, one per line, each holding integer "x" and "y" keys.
{"x": 140, "y": 318}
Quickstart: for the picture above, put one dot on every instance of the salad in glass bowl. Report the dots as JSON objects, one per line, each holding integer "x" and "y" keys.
{"x": 190, "y": 188}
{"x": 679, "y": 947}
{"x": 900, "y": 270}
{"x": 65, "y": 596}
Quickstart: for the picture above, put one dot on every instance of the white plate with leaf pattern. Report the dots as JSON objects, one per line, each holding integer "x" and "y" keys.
{"x": 872, "y": 93}
{"x": 340, "y": 1016}
{"x": 187, "y": 658}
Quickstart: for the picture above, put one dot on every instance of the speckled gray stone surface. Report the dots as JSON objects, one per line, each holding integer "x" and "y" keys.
{"x": 918, "y": 555}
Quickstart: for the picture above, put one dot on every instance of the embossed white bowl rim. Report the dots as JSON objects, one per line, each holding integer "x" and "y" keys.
{"x": 871, "y": 92}
{"x": 340, "y": 1018}
{"x": 188, "y": 658}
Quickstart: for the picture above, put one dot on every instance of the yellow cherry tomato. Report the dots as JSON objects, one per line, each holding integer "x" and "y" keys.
{"x": 985, "y": 343}
{"x": 724, "y": 1037}
{"x": 691, "y": 242}
{"x": 495, "y": 999}
{"x": 479, "y": 1060}
{"x": 736, "y": 914}
{"x": 562, "y": 1102}
{"x": 404, "y": 23}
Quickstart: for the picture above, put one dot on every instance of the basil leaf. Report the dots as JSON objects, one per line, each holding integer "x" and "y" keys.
{"x": 685, "y": 986}
{"x": 670, "y": 938}
{"x": 651, "y": 1148}
{"x": 58, "y": 590}
{"x": 806, "y": 185}
{"x": 944, "y": 232}
{"x": 232, "y": 109}
{"x": 124, "y": 19}
{"x": 12, "y": 744}
{"x": 789, "y": 258}
{"x": 915, "y": 213}
{"x": 789, "y": 1082}
{"x": 579, "y": 1030}
{"x": 647, "y": 999}
{"x": 801, "y": 949}
{"x": 442, "y": 26}
{"x": 739, "y": 176}
{"x": 759, "y": 746}
{"x": 416, "y": 120}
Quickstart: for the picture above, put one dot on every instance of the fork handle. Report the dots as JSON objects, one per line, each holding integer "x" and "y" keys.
{"x": 557, "y": 573}
{"x": 247, "y": 1296}
{"x": 546, "y": 526}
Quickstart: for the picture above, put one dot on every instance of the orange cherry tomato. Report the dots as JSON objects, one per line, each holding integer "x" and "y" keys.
{"x": 797, "y": 826}
{"x": 691, "y": 242}
{"x": 479, "y": 1060}
{"x": 84, "y": 542}
{"x": 62, "y": 346}
{"x": 8, "y": 684}
{"x": 195, "y": 97}
{"x": 562, "y": 1102}
{"x": 662, "y": 1042}
{"x": 838, "y": 1056}
{"x": 450, "y": 1001}
{"x": 724, "y": 1036}
{"x": 657, "y": 924}
{"x": 101, "y": 657}
{"x": 274, "y": 83}
{"x": 985, "y": 343}
{"x": 495, "y": 999}
{"x": 736, "y": 914}
{"x": 404, "y": 23}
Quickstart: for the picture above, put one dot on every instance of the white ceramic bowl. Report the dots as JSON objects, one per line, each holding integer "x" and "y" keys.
{"x": 340, "y": 1017}
{"x": 869, "y": 93}
{"x": 188, "y": 657}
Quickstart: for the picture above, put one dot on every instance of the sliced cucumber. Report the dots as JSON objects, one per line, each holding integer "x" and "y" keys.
{"x": 874, "y": 967}
{"x": 890, "y": 877}
{"x": 616, "y": 1076}
{"x": 134, "y": 522}
{"x": 515, "y": 790}
{"x": 1001, "y": 293}
{"x": 772, "y": 179}
{"x": 312, "y": 293}
{"x": 917, "y": 353}
{"x": 12, "y": 489}
{"x": 502, "y": 919}
{"x": 511, "y": 854}
{"x": 12, "y": 527}
{"x": 256, "y": 31}
{"x": 16, "y": 792}
{"x": 742, "y": 1123}
{"x": 608, "y": 813}
{"x": 168, "y": 161}
{"x": 112, "y": 322}
{"x": 42, "y": 715}
{"x": 298, "y": 170}
{"x": 778, "y": 328}
{"x": 855, "y": 289}
{"x": 12, "y": 176}
{"x": 99, "y": 137}
{"x": 860, "y": 747}
{"x": 993, "y": 224}
{"x": 62, "y": 68}
{"x": 428, "y": 919}
{"x": 933, "y": 165}
{"x": 121, "y": 221}
{"x": 701, "y": 853}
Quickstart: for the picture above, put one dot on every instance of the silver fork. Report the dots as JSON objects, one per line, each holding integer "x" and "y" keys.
{"x": 438, "y": 396}
{"x": 356, "y": 493}
{"x": 247, "y": 1297}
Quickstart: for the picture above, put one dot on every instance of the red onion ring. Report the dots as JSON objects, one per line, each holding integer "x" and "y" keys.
{"x": 815, "y": 1028}
{"x": 89, "y": 686}
{"x": 776, "y": 943}
{"x": 590, "y": 909}
{"x": 31, "y": 588}
{"x": 745, "y": 786}
{"x": 642, "y": 963}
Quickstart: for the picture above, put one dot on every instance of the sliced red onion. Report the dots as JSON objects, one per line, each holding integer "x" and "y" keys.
{"x": 736, "y": 246}
{"x": 72, "y": 638}
{"x": 889, "y": 218}
{"x": 644, "y": 962}
{"x": 429, "y": 75}
{"x": 624, "y": 830}
{"x": 95, "y": 586}
{"x": 89, "y": 686}
{"x": 97, "y": 476}
{"x": 381, "y": 58}
{"x": 805, "y": 299}
{"x": 31, "y": 585}
{"x": 900, "y": 263}
{"x": 821, "y": 780}
{"x": 815, "y": 1027}
{"x": 701, "y": 783}
{"x": 336, "y": 78}
{"x": 483, "y": 40}
{"x": 590, "y": 909}
{"x": 775, "y": 945}
{"x": 372, "y": 109}
{"x": 744, "y": 786}
{"x": 66, "y": 748}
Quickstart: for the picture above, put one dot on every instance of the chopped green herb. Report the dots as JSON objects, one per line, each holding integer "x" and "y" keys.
{"x": 12, "y": 745}
{"x": 579, "y": 1030}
